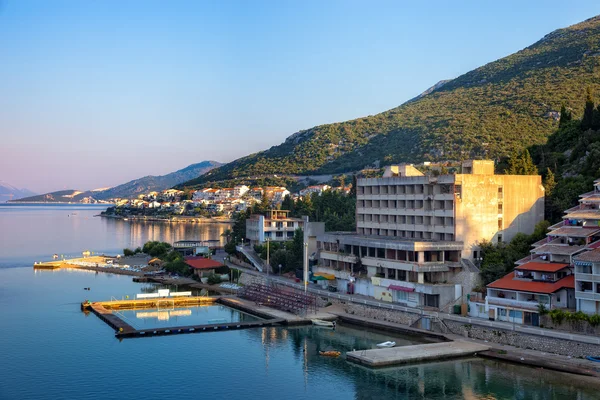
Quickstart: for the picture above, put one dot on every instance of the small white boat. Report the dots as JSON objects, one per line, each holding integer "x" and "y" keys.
{"x": 320, "y": 322}
{"x": 386, "y": 344}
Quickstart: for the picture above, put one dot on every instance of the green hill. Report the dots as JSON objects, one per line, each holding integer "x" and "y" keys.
{"x": 501, "y": 107}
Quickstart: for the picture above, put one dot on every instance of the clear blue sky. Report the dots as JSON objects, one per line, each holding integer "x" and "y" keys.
{"x": 95, "y": 93}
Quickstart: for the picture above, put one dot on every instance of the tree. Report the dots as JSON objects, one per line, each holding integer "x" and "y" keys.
{"x": 596, "y": 118}
{"x": 353, "y": 188}
{"x": 565, "y": 115}
{"x": 521, "y": 164}
{"x": 549, "y": 182}
{"x": 128, "y": 252}
{"x": 288, "y": 203}
{"x": 588, "y": 111}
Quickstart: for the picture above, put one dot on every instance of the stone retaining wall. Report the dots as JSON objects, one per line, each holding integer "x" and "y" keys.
{"x": 579, "y": 327}
{"x": 523, "y": 340}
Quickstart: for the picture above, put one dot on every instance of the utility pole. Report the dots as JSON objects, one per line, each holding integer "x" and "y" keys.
{"x": 305, "y": 267}
{"x": 268, "y": 258}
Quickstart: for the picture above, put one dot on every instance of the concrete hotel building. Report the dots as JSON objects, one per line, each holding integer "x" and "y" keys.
{"x": 416, "y": 235}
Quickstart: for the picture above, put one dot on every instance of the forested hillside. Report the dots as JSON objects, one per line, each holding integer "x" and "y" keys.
{"x": 506, "y": 105}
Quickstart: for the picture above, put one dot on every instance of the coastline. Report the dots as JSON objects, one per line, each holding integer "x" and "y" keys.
{"x": 145, "y": 218}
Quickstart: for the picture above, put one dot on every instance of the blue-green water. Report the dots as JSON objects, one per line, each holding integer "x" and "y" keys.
{"x": 165, "y": 317}
{"x": 51, "y": 350}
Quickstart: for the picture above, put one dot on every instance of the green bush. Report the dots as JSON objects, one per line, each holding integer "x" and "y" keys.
{"x": 128, "y": 252}
{"x": 214, "y": 279}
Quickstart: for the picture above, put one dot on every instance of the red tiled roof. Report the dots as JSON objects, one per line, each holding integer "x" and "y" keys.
{"x": 202, "y": 263}
{"x": 542, "y": 266}
{"x": 508, "y": 283}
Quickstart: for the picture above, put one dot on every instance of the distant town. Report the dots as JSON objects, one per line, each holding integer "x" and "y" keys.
{"x": 208, "y": 202}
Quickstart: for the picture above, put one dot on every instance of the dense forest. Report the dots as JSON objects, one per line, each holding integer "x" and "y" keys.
{"x": 497, "y": 109}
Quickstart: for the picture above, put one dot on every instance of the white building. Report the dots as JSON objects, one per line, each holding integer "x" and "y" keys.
{"x": 314, "y": 189}
{"x": 240, "y": 190}
{"x": 276, "y": 226}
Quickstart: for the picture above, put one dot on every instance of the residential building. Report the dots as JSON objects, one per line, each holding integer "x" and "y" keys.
{"x": 314, "y": 189}
{"x": 240, "y": 190}
{"x": 517, "y": 296}
{"x": 417, "y": 236}
{"x": 574, "y": 241}
{"x": 276, "y": 226}
{"x": 190, "y": 247}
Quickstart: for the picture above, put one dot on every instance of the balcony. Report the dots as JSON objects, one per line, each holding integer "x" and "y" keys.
{"x": 336, "y": 256}
{"x": 528, "y": 305}
{"x": 587, "y": 295}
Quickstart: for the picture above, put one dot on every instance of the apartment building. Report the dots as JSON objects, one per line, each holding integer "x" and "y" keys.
{"x": 516, "y": 297}
{"x": 469, "y": 207}
{"x": 276, "y": 226}
{"x": 417, "y": 235}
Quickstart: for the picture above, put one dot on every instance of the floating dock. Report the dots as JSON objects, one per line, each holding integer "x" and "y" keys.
{"x": 413, "y": 354}
{"x": 103, "y": 309}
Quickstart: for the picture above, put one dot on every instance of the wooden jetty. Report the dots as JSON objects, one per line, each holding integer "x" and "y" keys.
{"x": 103, "y": 309}
{"x": 413, "y": 354}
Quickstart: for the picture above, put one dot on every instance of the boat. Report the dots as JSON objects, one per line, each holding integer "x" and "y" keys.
{"x": 320, "y": 322}
{"x": 330, "y": 353}
{"x": 595, "y": 359}
{"x": 386, "y": 344}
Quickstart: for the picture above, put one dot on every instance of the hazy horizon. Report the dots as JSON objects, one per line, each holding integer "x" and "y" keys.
{"x": 100, "y": 93}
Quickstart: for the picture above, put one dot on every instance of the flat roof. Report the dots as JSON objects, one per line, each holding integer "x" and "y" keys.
{"x": 575, "y": 231}
{"x": 542, "y": 266}
{"x": 509, "y": 283}
{"x": 591, "y": 256}
{"x": 390, "y": 242}
{"x": 557, "y": 249}
{"x": 583, "y": 214}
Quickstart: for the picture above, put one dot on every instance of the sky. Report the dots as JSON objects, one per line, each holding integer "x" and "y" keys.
{"x": 96, "y": 93}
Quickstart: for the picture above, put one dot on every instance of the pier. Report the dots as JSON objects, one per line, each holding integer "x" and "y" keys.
{"x": 414, "y": 354}
{"x": 103, "y": 309}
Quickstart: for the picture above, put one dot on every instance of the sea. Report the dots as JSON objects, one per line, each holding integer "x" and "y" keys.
{"x": 50, "y": 349}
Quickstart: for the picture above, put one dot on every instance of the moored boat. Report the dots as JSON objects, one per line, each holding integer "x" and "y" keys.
{"x": 595, "y": 359}
{"x": 330, "y": 353}
{"x": 386, "y": 344}
{"x": 320, "y": 322}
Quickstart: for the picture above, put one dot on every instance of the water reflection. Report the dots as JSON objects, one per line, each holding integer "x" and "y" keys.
{"x": 472, "y": 378}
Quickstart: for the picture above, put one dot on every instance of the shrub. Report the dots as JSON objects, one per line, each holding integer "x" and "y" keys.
{"x": 213, "y": 279}
{"x": 128, "y": 252}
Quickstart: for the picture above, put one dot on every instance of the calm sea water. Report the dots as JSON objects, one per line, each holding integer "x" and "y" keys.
{"x": 51, "y": 350}
{"x": 30, "y": 233}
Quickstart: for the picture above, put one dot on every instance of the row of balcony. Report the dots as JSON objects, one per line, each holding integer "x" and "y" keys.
{"x": 406, "y": 211}
{"x": 405, "y": 196}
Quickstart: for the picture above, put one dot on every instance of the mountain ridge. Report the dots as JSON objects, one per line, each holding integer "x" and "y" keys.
{"x": 129, "y": 189}
{"x": 10, "y": 192}
{"x": 489, "y": 112}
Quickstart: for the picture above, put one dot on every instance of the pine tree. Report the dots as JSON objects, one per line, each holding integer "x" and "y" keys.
{"x": 565, "y": 116}
{"x": 549, "y": 182}
{"x": 596, "y": 118}
{"x": 528, "y": 167}
{"x": 588, "y": 111}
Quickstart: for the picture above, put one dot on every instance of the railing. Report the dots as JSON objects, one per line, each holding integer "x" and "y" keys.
{"x": 514, "y": 303}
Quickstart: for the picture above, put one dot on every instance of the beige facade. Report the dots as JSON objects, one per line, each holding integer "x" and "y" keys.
{"x": 470, "y": 207}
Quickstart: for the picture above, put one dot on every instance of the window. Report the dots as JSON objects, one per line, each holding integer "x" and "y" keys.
{"x": 500, "y": 208}
{"x": 458, "y": 191}
{"x": 401, "y": 296}
{"x": 515, "y": 314}
{"x": 500, "y": 223}
{"x": 499, "y": 238}
{"x": 502, "y": 312}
